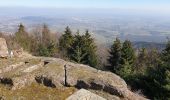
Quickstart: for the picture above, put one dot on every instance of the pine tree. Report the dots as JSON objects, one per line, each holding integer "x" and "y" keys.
{"x": 142, "y": 61}
{"x": 42, "y": 50}
{"x": 156, "y": 83}
{"x": 65, "y": 41}
{"x": 166, "y": 53}
{"x": 125, "y": 70}
{"x": 89, "y": 48}
{"x": 146, "y": 58}
{"x": 157, "y": 80}
{"x": 153, "y": 57}
{"x": 76, "y": 52}
{"x": 115, "y": 55}
{"x": 46, "y": 50}
{"x": 127, "y": 53}
{"x": 78, "y": 55}
{"x": 83, "y": 50}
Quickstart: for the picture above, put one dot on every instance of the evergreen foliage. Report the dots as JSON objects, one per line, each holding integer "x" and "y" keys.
{"x": 46, "y": 50}
{"x": 76, "y": 52}
{"x": 158, "y": 77}
{"x": 125, "y": 70}
{"x": 127, "y": 53}
{"x": 121, "y": 58}
{"x": 65, "y": 42}
{"x": 115, "y": 55}
{"x": 142, "y": 61}
{"x": 83, "y": 50}
{"x": 166, "y": 53}
{"x": 153, "y": 57}
{"x": 156, "y": 83}
{"x": 89, "y": 48}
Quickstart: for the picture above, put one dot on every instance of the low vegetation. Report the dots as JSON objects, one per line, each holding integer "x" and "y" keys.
{"x": 36, "y": 92}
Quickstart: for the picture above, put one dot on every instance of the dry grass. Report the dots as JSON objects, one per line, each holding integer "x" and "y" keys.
{"x": 36, "y": 92}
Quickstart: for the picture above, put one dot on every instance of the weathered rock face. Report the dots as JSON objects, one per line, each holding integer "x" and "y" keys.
{"x": 87, "y": 77}
{"x": 57, "y": 73}
{"x": 82, "y": 76}
{"x": 3, "y": 48}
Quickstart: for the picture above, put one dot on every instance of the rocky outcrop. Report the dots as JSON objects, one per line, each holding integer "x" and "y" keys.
{"x": 57, "y": 73}
{"x": 82, "y": 76}
{"x": 3, "y": 48}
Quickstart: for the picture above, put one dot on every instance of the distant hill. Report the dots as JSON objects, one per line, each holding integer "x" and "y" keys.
{"x": 148, "y": 45}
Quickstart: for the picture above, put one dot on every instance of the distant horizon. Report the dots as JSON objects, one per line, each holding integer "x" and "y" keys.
{"x": 6, "y": 10}
{"x": 138, "y": 5}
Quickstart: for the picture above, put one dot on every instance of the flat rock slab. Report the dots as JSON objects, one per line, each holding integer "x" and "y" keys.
{"x": 84, "y": 95}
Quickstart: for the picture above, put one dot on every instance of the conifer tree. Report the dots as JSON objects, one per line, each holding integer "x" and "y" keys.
{"x": 166, "y": 53}
{"x": 142, "y": 60}
{"x": 65, "y": 41}
{"x": 153, "y": 57}
{"x": 115, "y": 55}
{"x": 89, "y": 48}
{"x": 157, "y": 81}
{"x": 78, "y": 55}
{"x": 46, "y": 50}
{"x": 125, "y": 70}
{"x": 127, "y": 53}
{"x": 83, "y": 50}
{"x": 127, "y": 60}
{"x": 76, "y": 52}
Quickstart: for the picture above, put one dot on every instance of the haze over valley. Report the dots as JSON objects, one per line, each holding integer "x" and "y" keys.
{"x": 104, "y": 24}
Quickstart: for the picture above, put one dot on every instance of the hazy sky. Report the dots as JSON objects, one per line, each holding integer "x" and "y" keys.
{"x": 161, "y": 5}
{"x": 87, "y": 3}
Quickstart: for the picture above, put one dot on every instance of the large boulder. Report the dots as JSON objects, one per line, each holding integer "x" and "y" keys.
{"x": 83, "y": 76}
{"x": 3, "y": 48}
